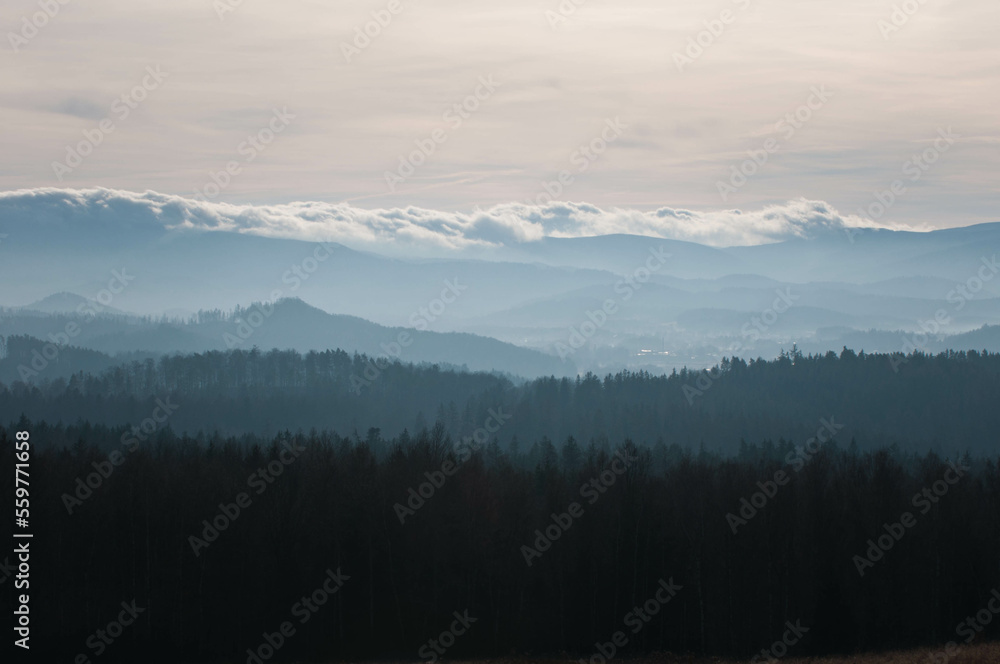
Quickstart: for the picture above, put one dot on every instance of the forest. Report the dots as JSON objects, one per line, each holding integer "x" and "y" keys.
{"x": 256, "y": 506}
{"x": 917, "y": 402}
{"x": 221, "y": 542}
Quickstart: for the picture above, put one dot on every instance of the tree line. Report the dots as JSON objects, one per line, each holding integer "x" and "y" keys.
{"x": 918, "y": 402}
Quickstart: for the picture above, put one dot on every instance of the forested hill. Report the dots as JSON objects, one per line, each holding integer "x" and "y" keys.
{"x": 290, "y": 324}
{"x": 945, "y": 402}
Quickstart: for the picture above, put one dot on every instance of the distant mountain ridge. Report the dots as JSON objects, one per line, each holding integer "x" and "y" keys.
{"x": 67, "y": 303}
{"x": 289, "y": 324}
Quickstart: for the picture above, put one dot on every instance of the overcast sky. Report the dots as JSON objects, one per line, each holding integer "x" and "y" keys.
{"x": 682, "y": 124}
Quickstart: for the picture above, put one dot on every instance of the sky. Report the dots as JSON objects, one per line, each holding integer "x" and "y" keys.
{"x": 461, "y": 106}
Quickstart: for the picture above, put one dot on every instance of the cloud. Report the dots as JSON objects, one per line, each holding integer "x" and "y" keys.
{"x": 413, "y": 230}
{"x": 81, "y": 108}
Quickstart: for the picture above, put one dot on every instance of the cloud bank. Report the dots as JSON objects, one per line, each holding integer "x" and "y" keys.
{"x": 414, "y": 230}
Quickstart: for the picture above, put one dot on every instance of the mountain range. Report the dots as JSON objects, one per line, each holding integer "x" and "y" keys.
{"x": 550, "y": 305}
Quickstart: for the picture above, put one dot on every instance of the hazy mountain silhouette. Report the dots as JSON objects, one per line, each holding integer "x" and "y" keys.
{"x": 287, "y": 324}
{"x": 67, "y": 303}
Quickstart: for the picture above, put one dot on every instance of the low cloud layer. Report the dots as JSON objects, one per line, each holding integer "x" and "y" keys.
{"x": 413, "y": 230}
